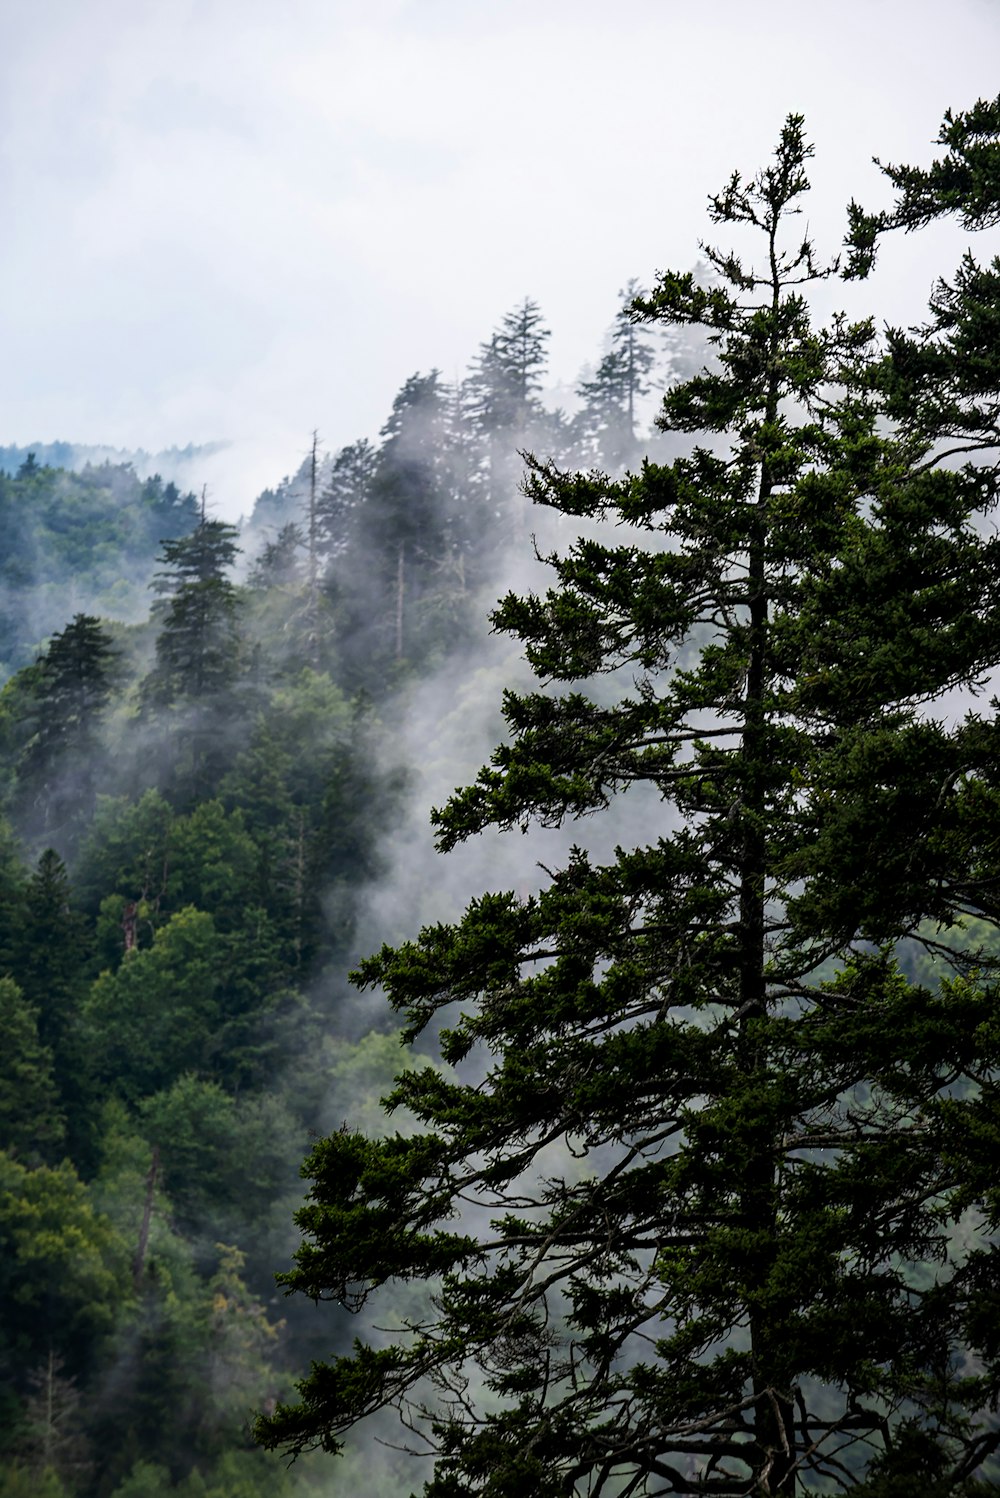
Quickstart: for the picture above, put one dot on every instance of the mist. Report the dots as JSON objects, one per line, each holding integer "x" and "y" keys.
{"x": 237, "y": 225}
{"x": 248, "y": 229}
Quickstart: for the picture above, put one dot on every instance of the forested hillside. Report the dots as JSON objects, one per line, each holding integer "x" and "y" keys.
{"x": 704, "y": 1198}
{"x": 204, "y": 776}
{"x": 686, "y": 1179}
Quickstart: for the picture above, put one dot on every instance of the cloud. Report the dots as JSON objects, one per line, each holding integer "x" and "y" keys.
{"x": 238, "y": 221}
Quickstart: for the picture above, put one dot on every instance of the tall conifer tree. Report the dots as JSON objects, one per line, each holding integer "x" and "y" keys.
{"x": 709, "y": 1204}
{"x": 71, "y": 685}
{"x": 192, "y": 683}
{"x": 197, "y": 648}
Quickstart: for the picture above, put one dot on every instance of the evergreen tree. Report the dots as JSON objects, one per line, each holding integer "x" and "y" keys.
{"x": 383, "y": 582}
{"x": 502, "y": 405}
{"x": 281, "y": 564}
{"x": 511, "y": 367}
{"x": 63, "y": 1268}
{"x": 197, "y": 649}
{"x": 634, "y": 351}
{"x": 69, "y": 692}
{"x": 709, "y": 1206}
{"x": 605, "y": 426}
{"x": 600, "y": 427}
{"x": 346, "y": 489}
{"x": 155, "y": 1018}
{"x": 51, "y": 953}
{"x": 31, "y": 1127}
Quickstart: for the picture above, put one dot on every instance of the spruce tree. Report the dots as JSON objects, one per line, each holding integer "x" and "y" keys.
{"x": 708, "y": 1203}
{"x": 31, "y": 1127}
{"x": 345, "y": 491}
{"x": 192, "y": 684}
{"x": 402, "y": 526}
{"x": 605, "y": 426}
{"x": 502, "y": 405}
{"x": 197, "y": 647}
{"x": 68, "y": 694}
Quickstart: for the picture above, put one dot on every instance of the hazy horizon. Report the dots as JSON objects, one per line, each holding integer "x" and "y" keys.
{"x": 232, "y": 224}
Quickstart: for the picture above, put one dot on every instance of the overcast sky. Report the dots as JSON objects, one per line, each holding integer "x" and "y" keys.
{"x": 242, "y": 219}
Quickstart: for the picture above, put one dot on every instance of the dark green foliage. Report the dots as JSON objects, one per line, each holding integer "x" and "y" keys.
{"x": 508, "y": 371}
{"x": 64, "y": 703}
{"x": 706, "y": 1207}
{"x": 397, "y": 585}
{"x": 193, "y": 684}
{"x": 173, "y": 1010}
{"x": 102, "y": 525}
{"x": 966, "y": 182}
{"x": 31, "y": 1126}
{"x": 50, "y": 952}
{"x": 125, "y": 853}
{"x": 227, "y": 1162}
{"x": 202, "y": 1356}
{"x": 346, "y": 489}
{"x": 196, "y": 649}
{"x": 62, "y": 1267}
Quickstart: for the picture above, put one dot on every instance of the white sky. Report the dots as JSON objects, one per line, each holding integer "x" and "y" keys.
{"x": 242, "y": 219}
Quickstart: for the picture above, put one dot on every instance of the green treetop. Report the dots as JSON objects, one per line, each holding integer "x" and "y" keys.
{"x": 708, "y": 1208}
{"x": 605, "y": 425}
{"x": 193, "y": 681}
{"x": 196, "y": 651}
{"x": 68, "y": 693}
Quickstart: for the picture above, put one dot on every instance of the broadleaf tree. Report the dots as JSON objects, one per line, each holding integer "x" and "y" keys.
{"x": 709, "y": 1204}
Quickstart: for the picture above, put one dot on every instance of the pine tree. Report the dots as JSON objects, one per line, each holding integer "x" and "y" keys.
{"x": 708, "y": 1205}
{"x": 49, "y": 956}
{"x": 600, "y": 427}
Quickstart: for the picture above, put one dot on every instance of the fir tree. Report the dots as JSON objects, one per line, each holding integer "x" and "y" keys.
{"x": 192, "y": 684}
{"x": 281, "y": 563}
{"x": 501, "y": 400}
{"x": 605, "y": 426}
{"x": 31, "y": 1127}
{"x": 699, "y": 1207}
{"x": 197, "y": 647}
{"x": 382, "y": 582}
{"x": 346, "y": 489}
{"x": 69, "y": 691}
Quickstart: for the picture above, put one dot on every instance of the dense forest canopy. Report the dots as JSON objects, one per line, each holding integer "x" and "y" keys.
{"x": 727, "y": 1093}
{"x": 202, "y": 777}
